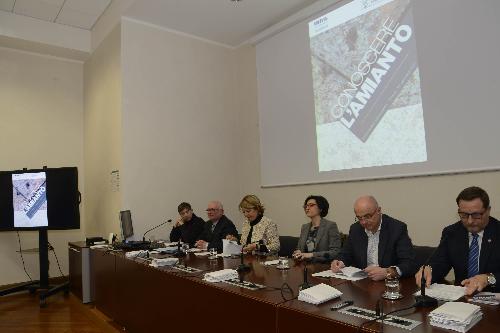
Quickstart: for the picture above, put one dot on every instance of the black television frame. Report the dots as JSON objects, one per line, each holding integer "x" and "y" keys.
{"x": 71, "y": 197}
{"x": 63, "y": 199}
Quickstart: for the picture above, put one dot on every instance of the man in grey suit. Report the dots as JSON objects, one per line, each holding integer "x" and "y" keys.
{"x": 377, "y": 243}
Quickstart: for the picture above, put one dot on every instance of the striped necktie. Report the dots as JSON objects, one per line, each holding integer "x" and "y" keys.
{"x": 473, "y": 267}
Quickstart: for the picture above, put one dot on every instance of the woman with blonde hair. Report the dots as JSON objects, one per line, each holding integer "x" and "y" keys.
{"x": 258, "y": 232}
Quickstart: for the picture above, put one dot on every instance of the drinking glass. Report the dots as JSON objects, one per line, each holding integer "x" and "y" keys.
{"x": 392, "y": 288}
{"x": 185, "y": 248}
{"x": 282, "y": 263}
{"x": 213, "y": 253}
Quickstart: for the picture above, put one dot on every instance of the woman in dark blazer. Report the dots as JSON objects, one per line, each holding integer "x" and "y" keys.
{"x": 319, "y": 239}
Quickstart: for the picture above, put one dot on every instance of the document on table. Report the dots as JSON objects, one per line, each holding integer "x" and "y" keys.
{"x": 318, "y": 294}
{"x": 222, "y": 275}
{"x": 457, "y": 316}
{"x": 230, "y": 247}
{"x": 444, "y": 292}
{"x": 347, "y": 273}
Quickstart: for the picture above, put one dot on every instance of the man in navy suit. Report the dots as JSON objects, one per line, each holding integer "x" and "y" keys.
{"x": 377, "y": 243}
{"x": 470, "y": 246}
{"x": 216, "y": 228}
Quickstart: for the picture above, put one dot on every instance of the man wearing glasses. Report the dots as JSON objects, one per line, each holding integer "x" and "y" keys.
{"x": 470, "y": 246}
{"x": 216, "y": 228}
{"x": 377, "y": 243}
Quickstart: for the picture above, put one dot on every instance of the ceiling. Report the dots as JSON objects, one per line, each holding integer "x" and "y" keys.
{"x": 222, "y": 21}
{"x": 225, "y": 22}
{"x": 76, "y": 13}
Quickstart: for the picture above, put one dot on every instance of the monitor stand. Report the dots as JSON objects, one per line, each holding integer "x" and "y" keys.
{"x": 42, "y": 284}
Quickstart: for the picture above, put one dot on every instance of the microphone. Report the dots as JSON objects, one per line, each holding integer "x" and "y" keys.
{"x": 159, "y": 225}
{"x": 424, "y": 301}
{"x": 179, "y": 253}
{"x": 242, "y": 267}
{"x": 378, "y": 308}
{"x": 305, "y": 283}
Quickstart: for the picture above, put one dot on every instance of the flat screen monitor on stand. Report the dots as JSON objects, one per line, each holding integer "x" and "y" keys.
{"x": 40, "y": 200}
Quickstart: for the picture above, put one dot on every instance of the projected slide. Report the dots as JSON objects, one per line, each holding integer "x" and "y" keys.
{"x": 29, "y": 200}
{"x": 368, "y": 105}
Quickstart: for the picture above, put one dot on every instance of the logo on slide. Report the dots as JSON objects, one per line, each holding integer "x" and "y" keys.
{"x": 29, "y": 200}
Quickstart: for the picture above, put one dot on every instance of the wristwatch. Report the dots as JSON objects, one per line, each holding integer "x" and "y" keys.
{"x": 491, "y": 279}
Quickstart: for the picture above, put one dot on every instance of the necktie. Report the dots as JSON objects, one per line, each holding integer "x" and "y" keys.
{"x": 473, "y": 267}
{"x": 213, "y": 227}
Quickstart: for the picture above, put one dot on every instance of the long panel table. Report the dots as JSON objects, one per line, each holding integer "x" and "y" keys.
{"x": 295, "y": 315}
{"x": 142, "y": 298}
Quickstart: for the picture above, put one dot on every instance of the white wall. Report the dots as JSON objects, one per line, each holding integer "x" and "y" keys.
{"x": 427, "y": 204}
{"x": 103, "y": 135}
{"x": 41, "y": 103}
{"x": 191, "y": 132}
{"x": 179, "y": 125}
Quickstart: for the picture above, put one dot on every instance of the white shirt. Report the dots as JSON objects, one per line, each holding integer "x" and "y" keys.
{"x": 372, "y": 248}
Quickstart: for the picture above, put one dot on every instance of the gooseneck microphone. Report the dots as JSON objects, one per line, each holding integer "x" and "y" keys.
{"x": 305, "y": 283}
{"x": 242, "y": 267}
{"x": 159, "y": 225}
{"x": 179, "y": 253}
{"x": 424, "y": 301}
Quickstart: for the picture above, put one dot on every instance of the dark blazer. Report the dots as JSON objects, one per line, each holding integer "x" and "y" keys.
{"x": 327, "y": 240}
{"x": 223, "y": 228}
{"x": 189, "y": 231}
{"x": 453, "y": 252}
{"x": 394, "y": 247}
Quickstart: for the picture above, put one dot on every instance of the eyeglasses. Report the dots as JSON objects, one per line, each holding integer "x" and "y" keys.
{"x": 365, "y": 217}
{"x": 212, "y": 210}
{"x": 309, "y": 205}
{"x": 475, "y": 216}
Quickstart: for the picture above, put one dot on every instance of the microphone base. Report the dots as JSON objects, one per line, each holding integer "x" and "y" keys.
{"x": 243, "y": 268}
{"x": 305, "y": 285}
{"x": 179, "y": 254}
{"x": 424, "y": 301}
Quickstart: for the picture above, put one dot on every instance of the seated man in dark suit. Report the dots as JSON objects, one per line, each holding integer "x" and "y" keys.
{"x": 376, "y": 243}
{"x": 188, "y": 226}
{"x": 470, "y": 246}
{"x": 216, "y": 228}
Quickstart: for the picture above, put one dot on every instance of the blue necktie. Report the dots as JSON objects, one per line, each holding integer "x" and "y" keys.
{"x": 473, "y": 257}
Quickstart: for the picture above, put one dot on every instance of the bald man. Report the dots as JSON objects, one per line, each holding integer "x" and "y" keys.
{"x": 216, "y": 228}
{"x": 377, "y": 243}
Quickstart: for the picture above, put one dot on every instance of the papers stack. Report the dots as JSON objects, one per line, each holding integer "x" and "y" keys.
{"x": 353, "y": 272}
{"x": 347, "y": 273}
{"x": 230, "y": 247}
{"x": 456, "y": 316}
{"x": 99, "y": 246}
{"x": 222, "y": 275}
{"x": 271, "y": 262}
{"x": 165, "y": 250}
{"x": 486, "y": 298}
{"x": 171, "y": 244}
{"x": 194, "y": 249}
{"x": 137, "y": 254}
{"x": 318, "y": 294}
{"x": 164, "y": 262}
{"x": 444, "y": 292}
